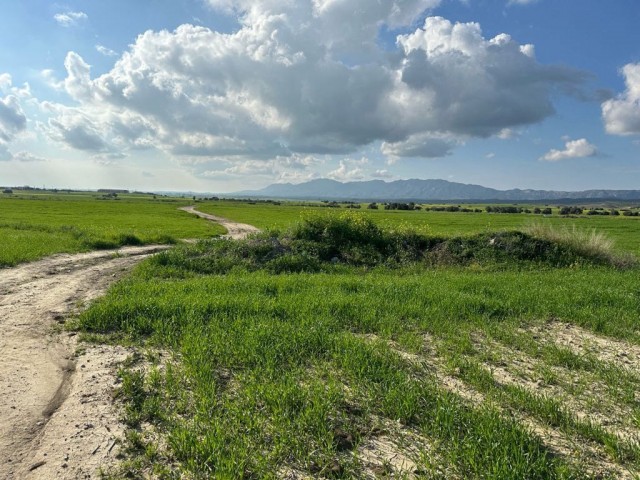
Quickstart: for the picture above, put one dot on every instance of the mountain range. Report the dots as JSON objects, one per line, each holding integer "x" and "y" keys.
{"x": 421, "y": 190}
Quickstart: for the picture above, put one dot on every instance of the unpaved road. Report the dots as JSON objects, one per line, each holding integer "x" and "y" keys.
{"x": 56, "y": 416}
{"x": 235, "y": 230}
{"x": 57, "y": 419}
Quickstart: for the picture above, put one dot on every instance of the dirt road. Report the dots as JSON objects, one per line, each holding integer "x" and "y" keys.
{"x": 56, "y": 415}
{"x": 235, "y": 230}
{"x": 57, "y": 419}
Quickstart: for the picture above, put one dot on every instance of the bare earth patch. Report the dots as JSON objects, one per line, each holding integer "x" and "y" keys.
{"x": 583, "y": 342}
{"x": 591, "y": 456}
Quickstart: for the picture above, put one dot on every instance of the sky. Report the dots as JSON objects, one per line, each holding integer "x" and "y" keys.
{"x": 221, "y": 95}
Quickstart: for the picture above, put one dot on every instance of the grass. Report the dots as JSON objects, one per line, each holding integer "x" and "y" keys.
{"x": 301, "y": 371}
{"x": 40, "y": 225}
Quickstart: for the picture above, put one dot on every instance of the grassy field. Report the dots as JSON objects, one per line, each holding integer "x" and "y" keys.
{"x": 341, "y": 350}
{"x": 36, "y": 225}
{"x": 625, "y": 231}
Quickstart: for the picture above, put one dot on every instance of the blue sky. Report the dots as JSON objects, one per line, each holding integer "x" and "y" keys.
{"x": 221, "y": 95}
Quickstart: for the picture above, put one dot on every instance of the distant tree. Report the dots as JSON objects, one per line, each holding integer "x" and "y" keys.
{"x": 503, "y": 209}
{"x": 547, "y": 211}
{"x": 399, "y": 206}
{"x": 8, "y": 191}
{"x": 372, "y": 206}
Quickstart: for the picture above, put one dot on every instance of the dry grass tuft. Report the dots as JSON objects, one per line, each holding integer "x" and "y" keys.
{"x": 588, "y": 242}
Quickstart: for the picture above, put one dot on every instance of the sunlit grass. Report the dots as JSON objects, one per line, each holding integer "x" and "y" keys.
{"x": 271, "y": 372}
{"x": 35, "y": 227}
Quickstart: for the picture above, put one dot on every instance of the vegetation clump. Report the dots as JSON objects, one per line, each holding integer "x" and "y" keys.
{"x": 324, "y": 242}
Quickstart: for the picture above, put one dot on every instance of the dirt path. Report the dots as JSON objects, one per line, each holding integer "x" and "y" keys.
{"x": 235, "y": 230}
{"x": 56, "y": 415}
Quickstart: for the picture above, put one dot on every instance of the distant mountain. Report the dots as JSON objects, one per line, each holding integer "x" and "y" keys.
{"x": 422, "y": 190}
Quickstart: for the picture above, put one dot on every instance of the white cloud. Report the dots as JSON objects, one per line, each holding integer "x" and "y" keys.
{"x": 344, "y": 174}
{"x": 278, "y": 87}
{"x": 107, "y": 52}
{"x": 27, "y": 157}
{"x": 49, "y": 77}
{"x": 78, "y": 81}
{"x": 508, "y": 88}
{"x": 621, "y": 115}
{"x": 70, "y": 19}
{"x": 507, "y": 134}
{"x": 13, "y": 120}
{"x": 521, "y": 2}
{"x": 5, "y": 82}
{"x": 573, "y": 149}
{"x": 282, "y": 168}
{"x": 382, "y": 174}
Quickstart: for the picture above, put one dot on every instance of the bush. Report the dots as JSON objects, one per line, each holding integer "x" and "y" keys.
{"x": 570, "y": 211}
{"x": 502, "y": 248}
{"x": 503, "y": 209}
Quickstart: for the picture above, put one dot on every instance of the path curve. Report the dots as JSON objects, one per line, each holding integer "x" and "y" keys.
{"x": 236, "y": 231}
{"x": 57, "y": 420}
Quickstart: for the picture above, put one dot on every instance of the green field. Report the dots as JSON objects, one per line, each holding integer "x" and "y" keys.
{"x": 36, "y": 225}
{"x": 496, "y": 355}
{"x": 625, "y": 231}
{"x": 360, "y": 344}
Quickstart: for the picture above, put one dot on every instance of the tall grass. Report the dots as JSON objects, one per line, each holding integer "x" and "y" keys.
{"x": 588, "y": 242}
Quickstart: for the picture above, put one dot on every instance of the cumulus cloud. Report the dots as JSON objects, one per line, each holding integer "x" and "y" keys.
{"x": 509, "y": 87}
{"x": 12, "y": 118}
{"x": 521, "y": 2}
{"x": 278, "y": 86}
{"x": 621, "y": 115}
{"x": 573, "y": 149}
{"x": 70, "y": 19}
{"x": 345, "y": 174}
